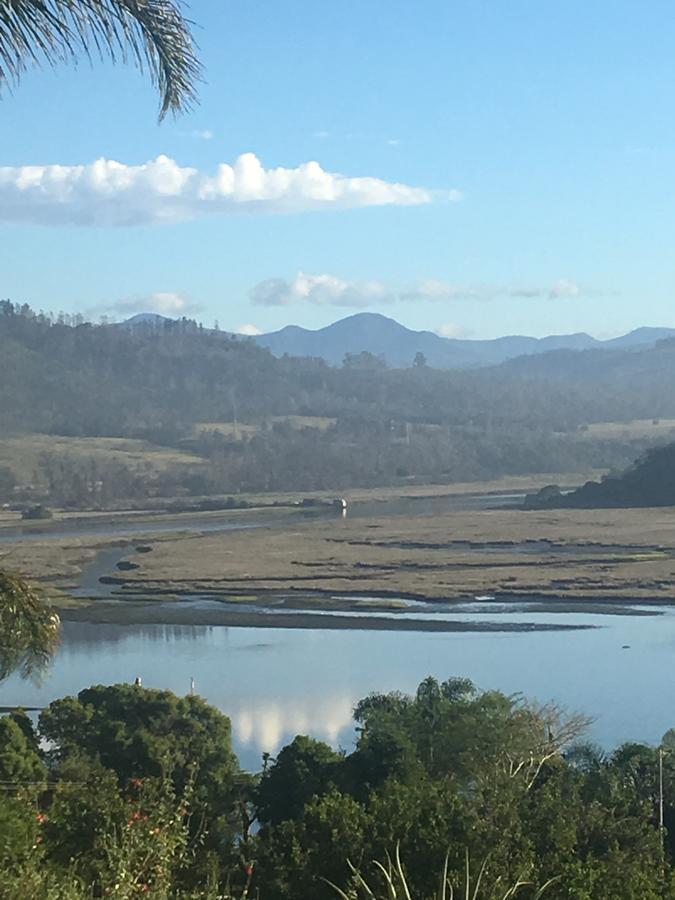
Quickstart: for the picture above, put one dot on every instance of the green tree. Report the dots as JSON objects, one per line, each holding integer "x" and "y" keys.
{"x": 305, "y": 768}
{"x": 140, "y": 733}
{"x": 296, "y": 856}
{"x": 20, "y": 764}
{"x": 153, "y": 33}
{"x": 7, "y": 483}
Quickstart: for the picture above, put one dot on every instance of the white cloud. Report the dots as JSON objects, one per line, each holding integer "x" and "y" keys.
{"x": 165, "y": 303}
{"x": 450, "y": 330}
{"x": 198, "y": 134}
{"x": 248, "y": 329}
{"x": 564, "y": 288}
{"x": 330, "y": 290}
{"x": 320, "y": 290}
{"x": 434, "y": 289}
{"x": 160, "y": 191}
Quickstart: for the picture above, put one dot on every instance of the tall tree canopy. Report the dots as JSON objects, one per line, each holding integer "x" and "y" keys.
{"x": 152, "y": 33}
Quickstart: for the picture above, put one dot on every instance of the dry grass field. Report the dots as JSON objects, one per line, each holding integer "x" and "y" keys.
{"x": 638, "y": 429}
{"x": 562, "y": 554}
{"x": 22, "y": 453}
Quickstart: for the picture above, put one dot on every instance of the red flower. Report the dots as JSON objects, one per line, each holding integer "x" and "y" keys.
{"x": 41, "y": 817}
{"x": 249, "y": 870}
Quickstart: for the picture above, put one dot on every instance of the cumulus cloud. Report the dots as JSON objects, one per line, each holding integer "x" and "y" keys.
{"x": 320, "y": 290}
{"x": 248, "y": 329}
{"x": 329, "y": 290}
{"x": 165, "y": 303}
{"x": 161, "y": 191}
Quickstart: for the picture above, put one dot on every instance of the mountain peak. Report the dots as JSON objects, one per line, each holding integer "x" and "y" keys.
{"x": 398, "y": 345}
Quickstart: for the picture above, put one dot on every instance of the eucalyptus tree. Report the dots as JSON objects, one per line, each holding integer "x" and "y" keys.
{"x": 153, "y": 34}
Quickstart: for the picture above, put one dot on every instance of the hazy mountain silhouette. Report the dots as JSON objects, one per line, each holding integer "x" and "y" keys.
{"x": 398, "y": 345}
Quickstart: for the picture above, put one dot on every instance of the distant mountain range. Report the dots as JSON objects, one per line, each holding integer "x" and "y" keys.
{"x": 398, "y": 345}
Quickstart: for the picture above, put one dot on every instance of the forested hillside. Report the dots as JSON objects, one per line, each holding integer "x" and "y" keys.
{"x": 650, "y": 481}
{"x": 629, "y": 369}
{"x": 248, "y": 421}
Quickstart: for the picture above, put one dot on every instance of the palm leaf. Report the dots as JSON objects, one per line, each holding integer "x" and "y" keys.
{"x": 151, "y": 33}
{"x": 29, "y": 628}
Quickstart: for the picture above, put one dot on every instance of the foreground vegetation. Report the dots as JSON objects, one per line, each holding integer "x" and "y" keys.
{"x": 123, "y": 791}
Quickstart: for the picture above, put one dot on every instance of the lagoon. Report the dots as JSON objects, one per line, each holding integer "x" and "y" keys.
{"x": 275, "y": 683}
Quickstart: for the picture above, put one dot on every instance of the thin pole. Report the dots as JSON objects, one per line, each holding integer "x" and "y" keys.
{"x": 661, "y": 789}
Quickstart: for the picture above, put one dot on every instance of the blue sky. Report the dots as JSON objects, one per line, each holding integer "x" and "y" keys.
{"x": 523, "y": 157}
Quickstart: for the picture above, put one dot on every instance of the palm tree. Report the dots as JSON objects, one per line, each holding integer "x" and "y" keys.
{"x": 29, "y": 627}
{"x": 152, "y": 33}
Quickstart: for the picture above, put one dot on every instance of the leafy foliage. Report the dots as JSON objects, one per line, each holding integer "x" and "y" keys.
{"x": 650, "y": 481}
{"x": 486, "y": 795}
{"x": 29, "y": 627}
{"x": 153, "y": 33}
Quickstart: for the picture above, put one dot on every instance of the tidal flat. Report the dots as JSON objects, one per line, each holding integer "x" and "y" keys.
{"x": 397, "y": 560}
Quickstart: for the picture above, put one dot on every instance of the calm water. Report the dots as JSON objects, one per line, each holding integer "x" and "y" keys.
{"x": 277, "y": 683}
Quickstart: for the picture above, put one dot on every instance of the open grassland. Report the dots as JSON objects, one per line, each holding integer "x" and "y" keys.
{"x": 638, "y": 429}
{"x": 239, "y": 430}
{"x": 22, "y": 453}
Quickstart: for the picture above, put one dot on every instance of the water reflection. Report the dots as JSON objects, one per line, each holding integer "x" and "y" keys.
{"x": 266, "y": 727}
{"x": 275, "y": 683}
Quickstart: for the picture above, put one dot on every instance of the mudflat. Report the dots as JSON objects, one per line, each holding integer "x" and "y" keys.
{"x": 567, "y": 554}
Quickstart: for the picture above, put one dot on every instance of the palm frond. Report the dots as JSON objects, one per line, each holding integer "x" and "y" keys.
{"x": 29, "y": 628}
{"x": 152, "y": 33}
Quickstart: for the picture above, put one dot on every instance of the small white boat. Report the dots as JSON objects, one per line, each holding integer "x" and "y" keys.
{"x": 484, "y": 597}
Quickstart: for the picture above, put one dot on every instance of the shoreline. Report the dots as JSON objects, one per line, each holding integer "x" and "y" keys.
{"x": 147, "y": 614}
